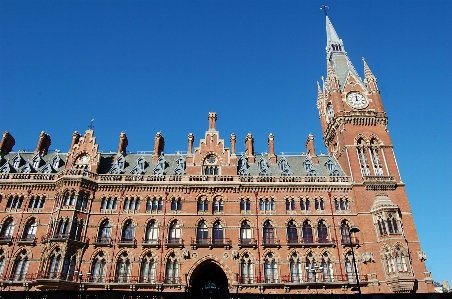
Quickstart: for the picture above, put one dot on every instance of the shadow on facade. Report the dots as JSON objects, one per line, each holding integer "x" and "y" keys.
{"x": 208, "y": 278}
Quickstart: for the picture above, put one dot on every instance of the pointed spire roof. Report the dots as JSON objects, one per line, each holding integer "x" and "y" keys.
{"x": 337, "y": 56}
{"x": 367, "y": 72}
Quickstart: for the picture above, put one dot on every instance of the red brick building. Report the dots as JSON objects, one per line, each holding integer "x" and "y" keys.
{"x": 214, "y": 220}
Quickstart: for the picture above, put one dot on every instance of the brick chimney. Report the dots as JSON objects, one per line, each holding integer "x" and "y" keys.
{"x": 191, "y": 139}
{"x": 7, "y": 143}
{"x": 271, "y": 148}
{"x": 159, "y": 145}
{"x": 310, "y": 149}
{"x": 233, "y": 141}
{"x": 44, "y": 143}
{"x": 123, "y": 142}
{"x": 249, "y": 148}
{"x": 212, "y": 121}
{"x": 75, "y": 139}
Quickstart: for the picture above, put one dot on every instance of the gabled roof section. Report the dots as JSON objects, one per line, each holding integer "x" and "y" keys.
{"x": 5, "y": 168}
{"x": 118, "y": 167}
{"x": 335, "y": 52}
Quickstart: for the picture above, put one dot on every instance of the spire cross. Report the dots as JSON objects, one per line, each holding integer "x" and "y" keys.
{"x": 324, "y": 8}
{"x": 91, "y": 126}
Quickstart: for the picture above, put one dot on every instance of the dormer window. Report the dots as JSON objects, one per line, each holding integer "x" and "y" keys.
{"x": 36, "y": 161}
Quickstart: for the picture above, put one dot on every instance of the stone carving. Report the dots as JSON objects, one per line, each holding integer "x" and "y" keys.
{"x": 159, "y": 169}
{"x": 263, "y": 166}
{"x": 186, "y": 254}
{"x": 422, "y": 255}
{"x": 139, "y": 167}
{"x": 309, "y": 167}
{"x": 235, "y": 254}
{"x": 368, "y": 257}
{"x": 180, "y": 168}
{"x": 243, "y": 166}
{"x": 284, "y": 167}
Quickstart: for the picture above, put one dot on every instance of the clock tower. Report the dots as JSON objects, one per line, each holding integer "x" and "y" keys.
{"x": 355, "y": 132}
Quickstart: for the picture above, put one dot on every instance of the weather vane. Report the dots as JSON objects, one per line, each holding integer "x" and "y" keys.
{"x": 91, "y": 126}
{"x": 324, "y": 7}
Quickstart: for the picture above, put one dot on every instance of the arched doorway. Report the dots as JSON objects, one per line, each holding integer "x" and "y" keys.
{"x": 209, "y": 278}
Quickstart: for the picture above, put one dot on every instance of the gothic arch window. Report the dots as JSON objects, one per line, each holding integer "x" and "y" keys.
{"x": 326, "y": 268}
{"x": 393, "y": 228}
{"x": 154, "y": 205}
{"x": 296, "y": 274}
{"x": 99, "y": 267}
{"x": 20, "y": 268}
{"x": 53, "y": 264}
{"x": 69, "y": 199}
{"x": 268, "y": 233}
{"x": 322, "y": 232}
{"x": 203, "y": 204}
{"x": 174, "y": 235}
{"x": 172, "y": 270}
{"x": 148, "y": 269}
{"x": 202, "y": 233}
{"x": 217, "y": 233}
{"x": 342, "y": 204}
{"x": 104, "y": 232}
{"x": 109, "y": 203}
{"x": 132, "y": 204}
{"x": 14, "y": 202}
{"x": 63, "y": 227}
{"x": 128, "y": 232}
{"x": 376, "y": 162}
{"x": 311, "y": 268}
{"x": 7, "y": 229}
{"x": 152, "y": 233}
{"x": 218, "y": 205}
{"x": 292, "y": 232}
{"x": 176, "y": 204}
{"x": 350, "y": 267}
{"x": 270, "y": 269}
{"x": 304, "y": 204}
{"x": 290, "y": 204}
{"x": 266, "y": 204}
{"x": 319, "y": 204}
{"x": 246, "y": 233}
{"x": 307, "y": 232}
{"x": 245, "y": 205}
{"x": 67, "y": 273}
{"x": 36, "y": 202}
{"x": 123, "y": 268}
{"x": 345, "y": 232}
{"x": 401, "y": 259}
{"x": 389, "y": 261}
{"x": 246, "y": 269}
{"x": 29, "y": 233}
{"x": 362, "y": 157}
{"x": 82, "y": 200}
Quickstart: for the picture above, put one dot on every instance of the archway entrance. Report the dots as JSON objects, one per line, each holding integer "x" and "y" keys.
{"x": 209, "y": 278}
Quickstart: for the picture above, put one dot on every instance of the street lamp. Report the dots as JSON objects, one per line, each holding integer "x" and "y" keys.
{"x": 354, "y": 230}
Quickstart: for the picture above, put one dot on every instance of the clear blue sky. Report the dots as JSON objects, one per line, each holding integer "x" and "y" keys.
{"x": 148, "y": 66}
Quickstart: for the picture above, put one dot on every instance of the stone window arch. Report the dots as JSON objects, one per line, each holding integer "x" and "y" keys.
{"x": 319, "y": 204}
{"x": 176, "y": 204}
{"x": 217, "y": 233}
{"x": 151, "y": 233}
{"x": 110, "y": 203}
{"x": 322, "y": 232}
{"x": 53, "y": 264}
{"x": 128, "y": 232}
{"x": 148, "y": 268}
{"x": 20, "y": 267}
{"x": 203, "y": 204}
{"x": 174, "y": 233}
{"x": 270, "y": 268}
{"x": 311, "y": 267}
{"x": 295, "y": 265}
{"x": 123, "y": 268}
{"x": 69, "y": 262}
{"x": 37, "y": 202}
{"x": 29, "y": 233}
{"x": 326, "y": 268}
{"x": 292, "y": 232}
{"x": 202, "y": 233}
{"x": 172, "y": 270}
{"x": 290, "y": 204}
{"x": 7, "y": 229}
{"x": 99, "y": 267}
{"x": 246, "y": 269}
{"x": 246, "y": 233}
{"x": 307, "y": 232}
{"x": 268, "y": 233}
{"x": 245, "y": 204}
{"x": 350, "y": 267}
{"x": 376, "y": 161}
{"x": 218, "y": 205}
{"x": 345, "y": 232}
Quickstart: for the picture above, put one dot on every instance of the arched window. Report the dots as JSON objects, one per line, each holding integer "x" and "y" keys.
{"x": 246, "y": 269}
{"x": 30, "y": 230}
{"x": 327, "y": 268}
{"x": 345, "y": 232}
{"x": 20, "y": 268}
{"x": 217, "y": 233}
{"x": 295, "y": 269}
{"x": 202, "y": 233}
{"x": 246, "y": 233}
{"x": 311, "y": 268}
{"x": 268, "y": 233}
{"x": 322, "y": 232}
{"x": 53, "y": 265}
{"x": 104, "y": 232}
{"x": 2, "y": 261}
{"x": 67, "y": 273}
{"x": 63, "y": 229}
{"x": 152, "y": 233}
{"x": 292, "y": 233}
{"x": 109, "y": 203}
{"x": 123, "y": 268}
{"x": 378, "y": 169}
{"x": 319, "y": 204}
{"x": 36, "y": 202}
{"x": 400, "y": 258}
{"x": 148, "y": 269}
{"x": 99, "y": 268}
{"x": 174, "y": 235}
{"x": 392, "y": 224}
{"x": 390, "y": 264}
{"x": 245, "y": 205}
{"x": 270, "y": 269}
{"x": 172, "y": 270}
{"x": 203, "y": 205}
{"x": 307, "y": 232}
{"x": 128, "y": 232}
{"x": 362, "y": 157}
{"x": 350, "y": 267}
{"x": 218, "y": 205}
{"x": 290, "y": 205}
{"x": 7, "y": 229}
{"x": 176, "y": 204}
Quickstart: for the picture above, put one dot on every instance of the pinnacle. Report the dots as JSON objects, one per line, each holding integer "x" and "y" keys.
{"x": 367, "y": 72}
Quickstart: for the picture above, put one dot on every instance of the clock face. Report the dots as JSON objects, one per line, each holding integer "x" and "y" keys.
{"x": 83, "y": 159}
{"x": 357, "y": 100}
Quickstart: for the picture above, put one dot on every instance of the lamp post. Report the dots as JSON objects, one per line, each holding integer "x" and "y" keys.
{"x": 350, "y": 231}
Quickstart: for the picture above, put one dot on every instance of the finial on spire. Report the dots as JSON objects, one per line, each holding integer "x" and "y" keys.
{"x": 91, "y": 126}
{"x": 324, "y": 8}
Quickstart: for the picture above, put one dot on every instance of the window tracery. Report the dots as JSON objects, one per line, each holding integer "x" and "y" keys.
{"x": 246, "y": 269}
{"x": 172, "y": 270}
{"x": 270, "y": 269}
{"x": 148, "y": 269}
{"x": 99, "y": 267}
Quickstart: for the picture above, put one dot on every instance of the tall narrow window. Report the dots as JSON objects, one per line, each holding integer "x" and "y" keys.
{"x": 7, "y": 229}
{"x": 123, "y": 268}
{"x": 104, "y": 232}
{"x": 21, "y": 266}
{"x": 311, "y": 268}
{"x": 53, "y": 266}
{"x": 174, "y": 233}
{"x": 147, "y": 269}
{"x": 172, "y": 270}
{"x": 295, "y": 269}
{"x": 2, "y": 261}
{"x": 202, "y": 233}
{"x": 128, "y": 232}
{"x": 378, "y": 169}
{"x": 99, "y": 268}
{"x": 270, "y": 269}
{"x": 307, "y": 232}
{"x": 362, "y": 157}
{"x": 268, "y": 232}
{"x": 345, "y": 232}
{"x": 246, "y": 269}
{"x": 292, "y": 233}
{"x": 327, "y": 268}
{"x": 152, "y": 233}
{"x": 245, "y": 233}
{"x": 322, "y": 233}
{"x": 217, "y": 233}
{"x": 350, "y": 267}
{"x": 30, "y": 230}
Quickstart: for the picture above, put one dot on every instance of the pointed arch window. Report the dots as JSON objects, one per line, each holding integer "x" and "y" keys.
{"x": 304, "y": 204}
{"x": 152, "y": 233}
{"x": 53, "y": 266}
{"x": 218, "y": 205}
{"x": 327, "y": 268}
{"x": 292, "y": 233}
{"x": 172, "y": 270}
{"x": 203, "y": 205}
{"x": 345, "y": 232}
{"x": 322, "y": 232}
{"x": 20, "y": 268}
{"x": 311, "y": 268}
{"x": 319, "y": 204}
{"x": 128, "y": 232}
{"x": 99, "y": 267}
{"x": 36, "y": 202}
{"x": 176, "y": 204}
{"x": 154, "y": 205}
{"x": 350, "y": 267}
{"x": 392, "y": 224}
{"x": 148, "y": 269}
{"x": 290, "y": 205}
{"x": 376, "y": 162}
{"x": 14, "y": 202}
{"x": 296, "y": 274}
{"x": 202, "y": 233}
{"x": 401, "y": 259}
{"x": 7, "y": 229}
{"x": 217, "y": 233}
{"x": 104, "y": 232}
{"x": 109, "y": 204}
{"x": 246, "y": 233}
{"x": 246, "y": 269}
{"x": 123, "y": 268}
{"x": 270, "y": 269}
{"x": 29, "y": 233}
{"x": 67, "y": 273}
{"x": 307, "y": 232}
{"x": 245, "y": 205}
{"x": 362, "y": 157}
{"x": 269, "y": 234}
{"x": 174, "y": 235}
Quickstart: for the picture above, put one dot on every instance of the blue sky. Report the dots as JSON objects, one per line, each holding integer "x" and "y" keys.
{"x": 149, "y": 66}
